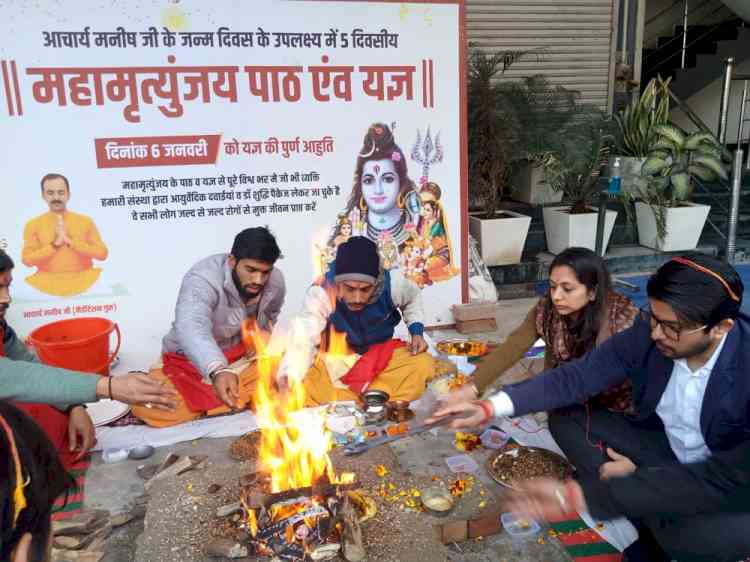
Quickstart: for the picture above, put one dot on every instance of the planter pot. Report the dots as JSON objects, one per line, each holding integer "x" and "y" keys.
{"x": 684, "y": 226}
{"x": 630, "y": 172}
{"x": 564, "y": 230}
{"x": 501, "y": 240}
{"x": 529, "y": 186}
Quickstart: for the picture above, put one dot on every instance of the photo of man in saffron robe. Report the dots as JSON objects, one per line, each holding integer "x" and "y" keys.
{"x": 61, "y": 244}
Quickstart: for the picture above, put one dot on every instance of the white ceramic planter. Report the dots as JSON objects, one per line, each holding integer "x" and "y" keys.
{"x": 529, "y": 186}
{"x": 501, "y": 240}
{"x": 564, "y": 230}
{"x": 684, "y": 226}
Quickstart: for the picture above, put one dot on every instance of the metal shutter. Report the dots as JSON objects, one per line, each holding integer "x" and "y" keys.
{"x": 577, "y": 35}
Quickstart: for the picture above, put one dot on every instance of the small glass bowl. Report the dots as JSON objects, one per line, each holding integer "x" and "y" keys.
{"x": 437, "y": 501}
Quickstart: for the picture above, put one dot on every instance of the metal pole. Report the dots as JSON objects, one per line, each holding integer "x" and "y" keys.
{"x": 684, "y": 32}
{"x": 741, "y": 126}
{"x": 726, "y": 90}
{"x": 600, "y": 222}
{"x": 735, "y": 205}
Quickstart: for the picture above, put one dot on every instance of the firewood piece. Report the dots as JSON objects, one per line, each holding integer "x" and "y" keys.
{"x": 351, "y": 535}
{"x": 76, "y": 555}
{"x": 126, "y": 517}
{"x": 254, "y": 499}
{"x": 179, "y": 467}
{"x": 226, "y": 548}
{"x": 170, "y": 459}
{"x": 455, "y": 531}
{"x": 147, "y": 472}
{"x": 323, "y": 489}
{"x": 488, "y": 523}
{"x": 78, "y": 542}
{"x": 228, "y": 509}
{"x": 82, "y": 523}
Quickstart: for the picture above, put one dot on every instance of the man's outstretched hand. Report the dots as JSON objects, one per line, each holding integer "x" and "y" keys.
{"x": 471, "y": 415}
{"x": 139, "y": 389}
{"x": 227, "y": 388}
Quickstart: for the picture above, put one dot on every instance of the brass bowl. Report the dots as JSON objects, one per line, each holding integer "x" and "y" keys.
{"x": 468, "y": 348}
{"x": 398, "y": 411}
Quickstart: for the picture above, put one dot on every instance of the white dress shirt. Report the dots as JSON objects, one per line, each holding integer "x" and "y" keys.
{"x": 680, "y": 408}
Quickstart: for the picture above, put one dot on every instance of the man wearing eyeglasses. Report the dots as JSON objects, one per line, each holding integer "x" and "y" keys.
{"x": 680, "y": 466}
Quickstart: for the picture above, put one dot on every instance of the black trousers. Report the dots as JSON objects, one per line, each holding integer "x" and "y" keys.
{"x": 697, "y": 538}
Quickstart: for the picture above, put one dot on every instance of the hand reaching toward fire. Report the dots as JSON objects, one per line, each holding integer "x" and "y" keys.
{"x": 226, "y": 387}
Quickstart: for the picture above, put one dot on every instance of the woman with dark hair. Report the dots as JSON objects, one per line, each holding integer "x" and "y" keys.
{"x": 382, "y": 187}
{"x": 31, "y": 477}
{"x": 680, "y": 465}
{"x": 579, "y": 312}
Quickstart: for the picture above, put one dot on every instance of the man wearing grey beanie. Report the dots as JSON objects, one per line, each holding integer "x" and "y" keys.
{"x": 359, "y": 299}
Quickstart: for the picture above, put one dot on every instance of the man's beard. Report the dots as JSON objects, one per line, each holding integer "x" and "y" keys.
{"x": 244, "y": 293}
{"x": 697, "y": 349}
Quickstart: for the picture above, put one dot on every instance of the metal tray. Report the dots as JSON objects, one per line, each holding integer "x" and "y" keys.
{"x": 564, "y": 468}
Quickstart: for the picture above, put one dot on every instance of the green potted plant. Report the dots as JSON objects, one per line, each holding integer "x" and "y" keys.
{"x": 666, "y": 218}
{"x": 541, "y": 111}
{"x": 501, "y": 234}
{"x": 574, "y": 168}
{"x": 637, "y": 129}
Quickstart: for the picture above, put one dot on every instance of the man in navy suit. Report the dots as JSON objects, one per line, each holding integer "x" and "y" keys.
{"x": 680, "y": 465}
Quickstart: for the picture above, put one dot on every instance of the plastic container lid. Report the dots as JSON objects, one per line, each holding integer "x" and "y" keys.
{"x": 519, "y": 526}
{"x": 494, "y": 439}
{"x": 462, "y": 463}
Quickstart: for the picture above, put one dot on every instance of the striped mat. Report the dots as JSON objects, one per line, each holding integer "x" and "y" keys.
{"x": 71, "y": 503}
{"x": 583, "y": 543}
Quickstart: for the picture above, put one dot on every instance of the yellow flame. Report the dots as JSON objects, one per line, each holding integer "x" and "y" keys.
{"x": 337, "y": 345}
{"x": 294, "y": 442}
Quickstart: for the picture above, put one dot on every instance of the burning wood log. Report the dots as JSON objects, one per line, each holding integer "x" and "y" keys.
{"x": 256, "y": 499}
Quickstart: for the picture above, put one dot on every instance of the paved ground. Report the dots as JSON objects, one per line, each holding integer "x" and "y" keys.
{"x": 181, "y": 511}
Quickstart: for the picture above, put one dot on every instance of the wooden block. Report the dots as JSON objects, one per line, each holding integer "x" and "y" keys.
{"x": 182, "y": 465}
{"x": 486, "y": 524}
{"x": 474, "y": 311}
{"x": 455, "y": 531}
{"x": 476, "y": 326}
{"x": 84, "y": 522}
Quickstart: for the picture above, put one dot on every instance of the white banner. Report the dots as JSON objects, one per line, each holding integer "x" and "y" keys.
{"x": 177, "y": 124}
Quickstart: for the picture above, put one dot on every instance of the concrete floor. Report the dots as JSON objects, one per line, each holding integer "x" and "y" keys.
{"x": 116, "y": 487}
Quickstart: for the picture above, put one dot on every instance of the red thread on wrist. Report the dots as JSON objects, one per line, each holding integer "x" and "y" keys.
{"x": 489, "y": 411}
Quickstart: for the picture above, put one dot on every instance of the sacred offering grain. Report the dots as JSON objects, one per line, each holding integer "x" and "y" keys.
{"x": 246, "y": 447}
{"x": 515, "y": 463}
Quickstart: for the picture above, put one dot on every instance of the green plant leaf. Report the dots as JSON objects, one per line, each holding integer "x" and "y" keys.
{"x": 680, "y": 186}
{"x": 703, "y": 173}
{"x": 695, "y": 140}
{"x": 653, "y": 166}
{"x": 672, "y": 133}
{"x": 712, "y": 164}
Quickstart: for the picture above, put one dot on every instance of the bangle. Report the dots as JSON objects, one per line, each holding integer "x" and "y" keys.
{"x": 489, "y": 411}
{"x": 109, "y": 386}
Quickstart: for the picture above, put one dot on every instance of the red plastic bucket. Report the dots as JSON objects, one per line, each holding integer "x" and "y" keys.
{"x": 79, "y": 344}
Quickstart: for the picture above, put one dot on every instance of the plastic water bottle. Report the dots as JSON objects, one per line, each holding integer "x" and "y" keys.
{"x": 615, "y": 176}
